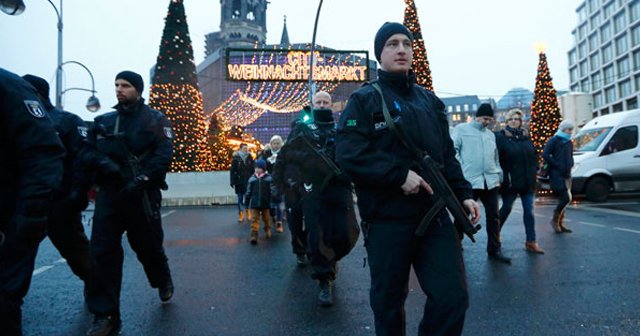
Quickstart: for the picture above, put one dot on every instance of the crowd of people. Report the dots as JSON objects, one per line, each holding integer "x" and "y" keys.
{"x": 307, "y": 182}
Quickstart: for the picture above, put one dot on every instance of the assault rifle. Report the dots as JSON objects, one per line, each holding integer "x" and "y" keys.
{"x": 324, "y": 168}
{"x": 443, "y": 198}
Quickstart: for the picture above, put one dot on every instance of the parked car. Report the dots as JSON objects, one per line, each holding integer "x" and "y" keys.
{"x": 607, "y": 156}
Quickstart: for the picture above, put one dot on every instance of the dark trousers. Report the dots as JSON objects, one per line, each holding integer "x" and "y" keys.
{"x": 293, "y": 202}
{"x": 326, "y": 217}
{"x": 489, "y": 199}
{"x": 392, "y": 248}
{"x": 67, "y": 234}
{"x": 17, "y": 260}
{"x": 114, "y": 214}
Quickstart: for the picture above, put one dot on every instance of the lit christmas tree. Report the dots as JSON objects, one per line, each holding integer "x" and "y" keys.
{"x": 175, "y": 93}
{"x": 545, "y": 113}
{"x": 420, "y": 63}
{"x": 221, "y": 153}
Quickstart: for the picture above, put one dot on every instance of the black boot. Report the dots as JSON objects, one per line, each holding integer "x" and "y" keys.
{"x": 166, "y": 290}
{"x": 105, "y": 326}
{"x": 498, "y": 256}
{"x": 325, "y": 296}
{"x": 301, "y": 260}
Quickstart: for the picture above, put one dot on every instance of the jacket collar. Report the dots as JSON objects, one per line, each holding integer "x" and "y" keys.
{"x": 130, "y": 109}
{"x": 398, "y": 82}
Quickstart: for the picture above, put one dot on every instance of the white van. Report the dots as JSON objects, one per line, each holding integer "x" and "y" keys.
{"x": 607, "y": 156}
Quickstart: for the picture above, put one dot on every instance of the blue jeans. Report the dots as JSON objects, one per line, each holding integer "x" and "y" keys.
{"x": 527, "y": 206}
{"x": 240, "y": 202}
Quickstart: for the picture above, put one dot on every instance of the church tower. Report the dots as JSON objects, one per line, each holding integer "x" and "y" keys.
{"x": 243, "y": 23}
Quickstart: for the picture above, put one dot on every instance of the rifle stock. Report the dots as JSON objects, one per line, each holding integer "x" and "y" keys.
{"x": 444, "y": 198}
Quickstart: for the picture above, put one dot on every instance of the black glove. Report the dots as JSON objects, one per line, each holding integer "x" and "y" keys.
{"x": 138, "y": 184}
{"x": 78, "y": 200}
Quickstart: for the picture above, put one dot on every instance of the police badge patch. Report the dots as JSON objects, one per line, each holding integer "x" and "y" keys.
{"x": 82, "y": 131}
{"x": 34, "y": 108}
{"x": 168, "y": 133}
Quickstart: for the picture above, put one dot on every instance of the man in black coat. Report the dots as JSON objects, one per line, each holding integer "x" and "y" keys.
{"x": 130, "y": 149}
{"x": 31, "y": 170}
{"x": 393, "y": 197}
{"x": 327, "y": 200}
{"x": 241, "y": 169}
{"x": 65, "y": 219}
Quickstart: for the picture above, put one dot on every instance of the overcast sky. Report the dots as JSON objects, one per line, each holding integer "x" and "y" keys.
{"x": 476, "y": 47}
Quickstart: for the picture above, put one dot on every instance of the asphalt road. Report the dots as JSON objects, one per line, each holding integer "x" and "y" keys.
{"x": 587, "y": 283}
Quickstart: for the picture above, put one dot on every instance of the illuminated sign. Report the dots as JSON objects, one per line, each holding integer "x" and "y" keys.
{"x": 294, "y": 65}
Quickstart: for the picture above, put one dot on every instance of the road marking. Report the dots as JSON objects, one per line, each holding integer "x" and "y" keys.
{"x": 626, "y": 230}
{"x": 168, "y": 213}
{"x": 592, "y": 224}
{"x": 611, "y": 211}
{"x": 48, "y": 267}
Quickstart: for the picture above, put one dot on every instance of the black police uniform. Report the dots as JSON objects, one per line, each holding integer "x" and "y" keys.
{"x": 287, "y": 178}
{"x": 378, "y": 163}
{"x": 128, "y": 199}
{"x": 328, "y": 209}
{"x": 65, "y": 228}
{"x": 31, "y": 169}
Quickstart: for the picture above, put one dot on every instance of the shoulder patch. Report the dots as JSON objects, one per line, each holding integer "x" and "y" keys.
{"x": 82, "y": 130}
{"x": 351, "y": 123}
{"x": 167, "y": 132}
{"x": 34, "y": 108}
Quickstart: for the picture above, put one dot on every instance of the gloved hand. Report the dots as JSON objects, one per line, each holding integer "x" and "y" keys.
{"x": 78, "y": 200}
{"x": 138, "y": 184}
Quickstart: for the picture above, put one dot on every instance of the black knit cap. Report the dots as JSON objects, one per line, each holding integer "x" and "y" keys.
{"x": 485, "y": 110}
{"x": 40, "y": 84}
{"x": 133, "y": 78}
{"x": 387, "y": 30}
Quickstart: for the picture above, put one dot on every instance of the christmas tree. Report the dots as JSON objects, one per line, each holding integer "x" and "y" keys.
{"x": 420, "y": 63}
{"x": 175, "y": 93}
{"x": 545, "y": 113}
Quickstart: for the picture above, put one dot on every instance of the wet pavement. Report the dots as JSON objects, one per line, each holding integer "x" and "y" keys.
{"x": 587, "y": 283}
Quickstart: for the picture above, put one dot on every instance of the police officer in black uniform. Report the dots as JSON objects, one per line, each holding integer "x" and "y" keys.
{"x": 65, "y": 219}
{"x": 131, "y": 150}
{"x": 287, "y": 178}
{"x": 327, "y": 201}
{"x": 31, "y": 170}
{"x": 393, "y": 198}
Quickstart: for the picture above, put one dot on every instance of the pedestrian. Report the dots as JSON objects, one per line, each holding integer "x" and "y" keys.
{"x": 287, "y": 177}
{"x": 476, "y": 150}
{"x": 270, "y": 155}
{"x": 31, "y": 170}
{"x": 258, "y": 200}
{"x": 241, "y": 170}
{"x": 65, "y": 228}
{"x": 327, "y": 199}
{"x": 558, "y": 154}
{"x": 393, "y": 197}
{"x": 519, "y": 166}
{"x": 130, "y": 149}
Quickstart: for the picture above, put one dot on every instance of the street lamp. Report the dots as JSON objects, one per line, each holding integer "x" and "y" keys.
{"x": 93, "y": 103}
{"x": 12, "y": 7}
{"x": 59, "y": 68}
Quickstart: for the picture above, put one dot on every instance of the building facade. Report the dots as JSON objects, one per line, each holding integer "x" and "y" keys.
{"x": 605, "y": 59}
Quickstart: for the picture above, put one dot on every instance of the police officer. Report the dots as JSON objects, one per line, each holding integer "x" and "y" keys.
{"x": 287, "y": 178}
{"x": 327, "y": 201}
{"x": 65, "y": 219}
{"x": 31, "y": 170}
{"x": 393, "y": 198}
{"x": 131, "y": 150}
